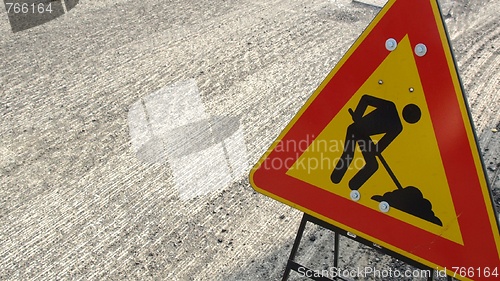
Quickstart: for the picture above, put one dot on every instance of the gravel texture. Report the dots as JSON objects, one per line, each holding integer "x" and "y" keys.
{"x": 77, "y": 203}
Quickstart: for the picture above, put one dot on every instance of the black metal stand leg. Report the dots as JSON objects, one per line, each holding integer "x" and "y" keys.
{"x": 295, "y": 247}
{"x": 449, "y": 278}
{"x": 292, "y": 265}
{"x": 336, "y": 249}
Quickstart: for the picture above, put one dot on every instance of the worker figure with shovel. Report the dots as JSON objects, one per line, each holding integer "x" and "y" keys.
{"x": 383, "y": 119}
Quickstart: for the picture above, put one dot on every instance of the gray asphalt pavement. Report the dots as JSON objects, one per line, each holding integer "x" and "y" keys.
{"x": 93, "y": 182}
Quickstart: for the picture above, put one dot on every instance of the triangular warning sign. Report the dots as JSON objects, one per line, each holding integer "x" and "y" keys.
{"x": 385, "y": 148}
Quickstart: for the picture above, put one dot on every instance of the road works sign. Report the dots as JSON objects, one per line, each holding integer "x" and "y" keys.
{"x": 385, "y": 148}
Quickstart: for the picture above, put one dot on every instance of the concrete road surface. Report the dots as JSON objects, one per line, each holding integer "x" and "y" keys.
{"x": 96, "y": 106}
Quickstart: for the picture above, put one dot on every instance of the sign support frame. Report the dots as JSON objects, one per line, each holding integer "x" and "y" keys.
{"x": 292, "y": 265}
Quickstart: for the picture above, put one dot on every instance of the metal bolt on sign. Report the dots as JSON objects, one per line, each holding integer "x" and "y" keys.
{"x": 391, "y": 44}
{"x": 384, "y": 206}
{"x": 420, "y": 50}
{"x": 355, "y": 195}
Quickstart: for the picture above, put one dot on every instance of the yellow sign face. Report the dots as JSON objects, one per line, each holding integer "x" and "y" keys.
{"x": 413, "y": 156}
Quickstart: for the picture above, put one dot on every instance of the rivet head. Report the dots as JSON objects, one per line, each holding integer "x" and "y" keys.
{"x": 411, "y": 90}
{"x": 420, "y": 50}
{"x": 380, "y": 82}
{"x": 391, "y": 44}
{"x": 384, "y": 206}
{"x": 355, "y": 195}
